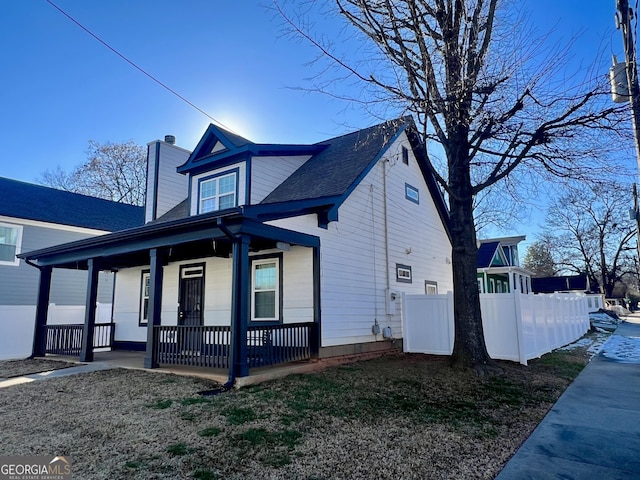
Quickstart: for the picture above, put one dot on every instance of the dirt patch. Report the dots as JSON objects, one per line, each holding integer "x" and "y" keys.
{"x": 405, "y": 416}
{"x": 18, "y": 368}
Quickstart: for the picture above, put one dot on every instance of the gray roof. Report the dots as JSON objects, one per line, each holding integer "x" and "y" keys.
{"x": 339, "y": 166}
{"x": 45, "y": 204}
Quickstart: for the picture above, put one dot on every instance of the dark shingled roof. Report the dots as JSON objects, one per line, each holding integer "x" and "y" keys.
{"x": 334, "y": 170}
{"x": 44, "y": 204}
{"x": 486, "y": 251}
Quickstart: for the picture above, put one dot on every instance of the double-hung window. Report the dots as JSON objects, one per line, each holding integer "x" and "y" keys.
{"x": 265, "y": 289}
{"x": 10, "y": 241}
{"x": 218, "y": 193}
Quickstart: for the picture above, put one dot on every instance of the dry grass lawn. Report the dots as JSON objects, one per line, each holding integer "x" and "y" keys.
{"x": 406, "y": 416}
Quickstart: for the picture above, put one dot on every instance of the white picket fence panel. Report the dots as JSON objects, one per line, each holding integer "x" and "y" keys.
{"x": 17, "y": 324}
{"x": 517, "y": 327}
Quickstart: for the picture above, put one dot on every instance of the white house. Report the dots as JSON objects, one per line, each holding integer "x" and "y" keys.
{"x": 257, "y": 254}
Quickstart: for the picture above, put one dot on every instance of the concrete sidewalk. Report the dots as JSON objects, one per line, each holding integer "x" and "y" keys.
{"x": 63, "y": 372}
{"x": 593, "y": 431}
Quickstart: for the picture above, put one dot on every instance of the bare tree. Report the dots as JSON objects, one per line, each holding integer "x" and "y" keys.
{"x": 113, "y": 171}
{"x": 593, "y": 234}
{"x": 477, "y": 85}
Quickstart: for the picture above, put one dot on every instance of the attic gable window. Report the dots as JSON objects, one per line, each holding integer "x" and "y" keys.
{"x": 405, "y": 155}
{"x": 218, "y": 192}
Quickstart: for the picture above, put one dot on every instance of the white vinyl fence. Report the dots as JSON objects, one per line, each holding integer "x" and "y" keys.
{"x": 17, "y": 323}
{"x": 517, "y": 326}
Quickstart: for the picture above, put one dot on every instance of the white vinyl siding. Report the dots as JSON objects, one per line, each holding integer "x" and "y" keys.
{"x": 354, "y": 275}
{"x": 172, "y": 186}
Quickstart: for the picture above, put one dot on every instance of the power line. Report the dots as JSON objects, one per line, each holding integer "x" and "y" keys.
{"x": 140, "y": 69}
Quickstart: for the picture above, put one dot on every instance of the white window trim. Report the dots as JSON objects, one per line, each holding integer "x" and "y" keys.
{"x": 16, "y": 261}
{"x": 146, "y": 276}
{"x": 217, "y": 196}
{"x": 433, "y": 285}
{"x": 404, "y": 273}
{"x": 254, "y": 263}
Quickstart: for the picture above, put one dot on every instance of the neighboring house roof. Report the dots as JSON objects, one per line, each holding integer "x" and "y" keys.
{"x": 45, "y": 204}
{"x": 491, "y": 255}
{"x": 559, "y": 284}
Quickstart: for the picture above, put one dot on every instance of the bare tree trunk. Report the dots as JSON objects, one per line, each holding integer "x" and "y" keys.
{"x": 469, "y": 347}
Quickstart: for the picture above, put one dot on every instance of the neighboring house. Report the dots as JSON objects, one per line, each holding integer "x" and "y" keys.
{"x": 33, "y": 217}
{"x": 256, "y": 254}
{"x": 499, "y": 269}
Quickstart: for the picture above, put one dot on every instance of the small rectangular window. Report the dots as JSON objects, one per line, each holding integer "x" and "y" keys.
{"x": 10, "y": 242}
{"x": 430, "y": 288}
{"x": 405, "y": 155}
{"x": 144, "y": 297}
{"x": 403, "y": 273}
{"x": 480, "y": 287}
{"x": 411, "y": 193}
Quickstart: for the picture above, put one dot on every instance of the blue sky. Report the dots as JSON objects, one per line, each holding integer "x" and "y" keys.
{"x": 62, "y": 88}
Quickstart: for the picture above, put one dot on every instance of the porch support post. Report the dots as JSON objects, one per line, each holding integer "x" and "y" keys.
{"x": 157, "y": 258}
{"x": 86, "y": 354}
{"x": 316, "y": 331}
{"x": 42, "y": 310}
{"x": 240, "y": 304}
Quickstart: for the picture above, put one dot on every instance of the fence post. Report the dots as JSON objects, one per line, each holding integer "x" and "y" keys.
{"x": 450, "y": 321}
{"x": 517, "y": 302}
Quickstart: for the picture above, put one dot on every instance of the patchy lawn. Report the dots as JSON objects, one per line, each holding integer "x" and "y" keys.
{"x": 406, "y": 416}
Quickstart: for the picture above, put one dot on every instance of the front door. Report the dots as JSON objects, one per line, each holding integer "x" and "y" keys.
{"x": 190, "y": 309}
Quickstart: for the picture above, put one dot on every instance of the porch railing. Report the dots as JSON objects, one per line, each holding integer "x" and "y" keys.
{"x": 195, "y": 346}
{"x": 67, "y": 339}
{"x": 271, "y": 345}
{"x": 210, "y": 346}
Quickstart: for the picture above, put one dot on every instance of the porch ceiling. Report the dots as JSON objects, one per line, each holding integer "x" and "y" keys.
{"x": 194, "y": 237}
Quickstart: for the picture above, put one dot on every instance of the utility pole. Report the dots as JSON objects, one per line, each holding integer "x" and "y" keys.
{"x": 624, "y": 16}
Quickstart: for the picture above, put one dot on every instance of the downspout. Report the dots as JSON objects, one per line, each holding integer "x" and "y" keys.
{"x": 386, "y": 249}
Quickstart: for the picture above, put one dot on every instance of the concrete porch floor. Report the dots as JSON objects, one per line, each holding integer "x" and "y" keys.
{"x": 135, "y": 360}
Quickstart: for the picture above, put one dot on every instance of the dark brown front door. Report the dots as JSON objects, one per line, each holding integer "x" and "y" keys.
{"x": 190, "y": 310}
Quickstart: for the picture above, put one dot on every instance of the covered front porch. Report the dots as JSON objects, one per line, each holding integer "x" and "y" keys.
{"x": 241, "y": 345}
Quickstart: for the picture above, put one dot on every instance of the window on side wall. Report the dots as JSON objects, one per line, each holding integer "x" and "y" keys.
{"x": 411, "y": 193}
{"x": 10, "y": 242}
{"x": 218, "y": 192}
{"x": 265, "y": 289}
{"x": 144, "y": 297}
{"x": 430, "y": 288}
{"x": 403, "y": 273}
{"x": 405, "y": 155}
